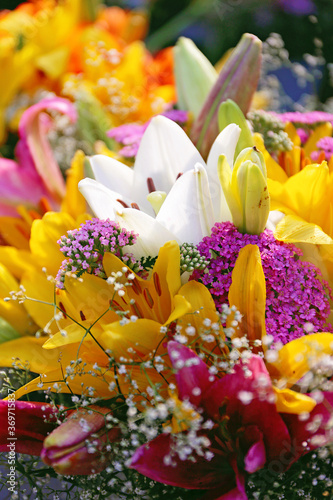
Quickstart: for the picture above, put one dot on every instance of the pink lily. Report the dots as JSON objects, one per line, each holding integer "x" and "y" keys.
{"x": 244, "y": 439}
{"x": 32, "y": 422}
{"x": 36, "y": 175}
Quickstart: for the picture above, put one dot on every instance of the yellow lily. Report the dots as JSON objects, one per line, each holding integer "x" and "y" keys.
{"x": 303, "y": 192}
{"x": 26, "y": 46}
{"x": 306, "y": 200}
{"x": 93, "y": 328}
{"x": 294, "y": 359}
{"x": 292, "y": 162}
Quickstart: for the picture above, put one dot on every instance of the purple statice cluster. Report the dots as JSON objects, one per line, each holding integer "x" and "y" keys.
{"x": 297, "y": 297}
{"x": 85, "y": 247}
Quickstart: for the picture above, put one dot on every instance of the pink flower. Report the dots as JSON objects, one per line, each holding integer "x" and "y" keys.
{"x": 36, "y": 175}
{"x": 81, "y": 445}
{"x": 130, "y": 135}
{"x": 247, "y": 434}
{"x": 32, "y": 423}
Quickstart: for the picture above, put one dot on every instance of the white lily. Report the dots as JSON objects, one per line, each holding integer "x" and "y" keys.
{"x": 185, "y": 192}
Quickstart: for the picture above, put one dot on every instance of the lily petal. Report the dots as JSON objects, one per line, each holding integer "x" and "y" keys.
{"x": 248, "y": 293}
{"x": 201, "y": 474}
{"x": 293, "y": 229}
{"x": 297, "y": 357}
{"x": 113, "y": 174}
{"x": 187, "y": 210}
{"x": 34, "y": 141}
{"x": 102, "y": 201}
{"x": 168, "y": 151}
{"x": 33, "y": 422}
{"x": 192, "y": 378}
{"x": 225, "y": 144}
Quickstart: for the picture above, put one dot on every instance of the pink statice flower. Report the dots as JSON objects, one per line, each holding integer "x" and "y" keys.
{"x": 325, "y": 144}
{"x": 130, "y": 135}
{"x": 310, "y": 118}
{"x": 296, "y": 293}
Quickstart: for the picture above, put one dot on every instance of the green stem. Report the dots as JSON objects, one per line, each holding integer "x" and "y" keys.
{"x": 166, "y": 34}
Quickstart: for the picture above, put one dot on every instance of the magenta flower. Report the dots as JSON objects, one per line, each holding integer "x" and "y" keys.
{"x": 36, "y": 175}
{"x": 32, "y": 422}
{"x": 247, "y": 432}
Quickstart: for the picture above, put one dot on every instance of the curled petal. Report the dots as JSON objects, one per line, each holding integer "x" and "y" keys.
{"x": 34, "y": 144}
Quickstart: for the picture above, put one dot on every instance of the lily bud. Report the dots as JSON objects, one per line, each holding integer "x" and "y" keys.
{"x": 245, "y": 189}
{"x": 82, "y": 444}
{"x": 238, "y": 81}
{"x": 230, "y": 112}
{"x": 195, "y": 76}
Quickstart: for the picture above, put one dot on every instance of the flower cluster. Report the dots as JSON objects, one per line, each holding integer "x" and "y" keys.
{"x": 84, "y": 248}
{"x": 159, "y": 350}
{"x": 297, "y": 296}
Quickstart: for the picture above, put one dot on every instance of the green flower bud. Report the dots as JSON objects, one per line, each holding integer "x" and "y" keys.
{"x": 195, "y": 76}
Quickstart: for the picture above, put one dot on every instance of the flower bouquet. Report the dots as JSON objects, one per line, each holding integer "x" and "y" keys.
{"x": 165, "y": 300}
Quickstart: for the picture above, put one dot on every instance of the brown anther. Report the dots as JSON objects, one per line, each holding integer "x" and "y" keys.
{"x": 179, "y": 175}
{"x": 82, "y": 316}
{"x": 148, "y": 297}
{"x": 135, "y": 205}
{"x": 151, "y": 185}
{"x": 122, "y": 203}
{"x": 157, "y": 283}
{"x": 62, "y": 307}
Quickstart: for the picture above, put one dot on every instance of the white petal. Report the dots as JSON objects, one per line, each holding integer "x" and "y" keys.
{"x": 164, "y": 152}
{"x": 187, "y": 210}
{"x": 152, "y": 234}
{"x": 113, "y": 174}
{"x": 102, "y": 201}
{"x": 275, "y": 216}
{"x": 224, "y": 144}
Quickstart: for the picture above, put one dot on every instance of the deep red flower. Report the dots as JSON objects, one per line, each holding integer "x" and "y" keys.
{"x": 245, "y": 437}
{"x": 32, "y": 422}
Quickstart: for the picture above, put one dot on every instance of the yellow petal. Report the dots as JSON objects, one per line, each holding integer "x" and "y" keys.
{"x": 54, "y": 63}
{"x": 202, "y": 306}
{"x": 307, "y": 194}
{"x": 153, "y": 297}
{"x": 142, "y": 336}
{"x": 17, "y": 261}
{"x": 293, "y": 229}
{"x": 74, "y": 203}
{"x": 180, "y": 307}
{"x": 11, "y": 311}
{"x": 44, "y": 236}
{"x": 274, "y": 170}
{"x": 75, "y": 334}
{"x": 248, "y": 293}
{"x": 90, "y": 298}
{"x": 42, "y": 307}
{"x": 29, "y": 351}
{"x": 324, "y": 130}
{"x": 290, "y": 129}
{"x": 288, "y": 401}
{"x": 297, "y": 357}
